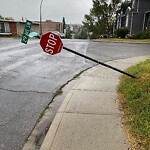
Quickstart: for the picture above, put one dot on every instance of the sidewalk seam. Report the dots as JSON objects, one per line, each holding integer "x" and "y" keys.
{"x": 82, "y": 113}
{"x": 92, "y": 90}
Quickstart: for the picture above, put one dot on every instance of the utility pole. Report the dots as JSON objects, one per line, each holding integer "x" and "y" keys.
{"x": 41, "y": 18}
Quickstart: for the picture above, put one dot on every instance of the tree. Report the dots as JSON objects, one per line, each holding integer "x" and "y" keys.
{"x": 64, "y": 24}
{"x": 68, "y": 32}
{"x": 6, "y": 18}
{"x": 82, "y": 33}
{"x": 124, "y": 6}
{"x": 101, "y": 17}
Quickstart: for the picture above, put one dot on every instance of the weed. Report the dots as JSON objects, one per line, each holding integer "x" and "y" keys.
{"x": 42, "y": 114}
{"x": 58, "y": 92}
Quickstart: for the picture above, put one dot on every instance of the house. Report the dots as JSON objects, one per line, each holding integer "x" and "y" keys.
{"x": 72, "y": 29}
{"x": 50, "y": 25}
{"x": 15, "y": 28}
{"x": 136, "y": 17}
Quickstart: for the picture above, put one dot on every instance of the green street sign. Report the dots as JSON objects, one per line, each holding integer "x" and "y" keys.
{"x": 26, "y": 32}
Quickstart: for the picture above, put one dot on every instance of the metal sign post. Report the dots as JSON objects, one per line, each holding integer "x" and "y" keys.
{"x": 52, "y": 44}
{"x": 96, "y": 61}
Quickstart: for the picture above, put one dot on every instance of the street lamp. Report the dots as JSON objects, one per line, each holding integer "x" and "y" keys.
{"x": 41, "y": 18}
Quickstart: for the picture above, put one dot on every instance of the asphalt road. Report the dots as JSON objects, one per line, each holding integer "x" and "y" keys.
{"x": 104, "y": 51}
{"x": 29, "y": 78}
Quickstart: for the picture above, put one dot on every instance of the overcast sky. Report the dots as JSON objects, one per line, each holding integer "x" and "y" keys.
{"x": 72, "y": 10}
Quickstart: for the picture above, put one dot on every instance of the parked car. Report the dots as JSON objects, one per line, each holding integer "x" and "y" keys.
{"x": 62, "y": 35}
{"x": 34, "y": 34}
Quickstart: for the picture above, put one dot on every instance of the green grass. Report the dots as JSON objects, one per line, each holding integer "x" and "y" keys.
{"x": 127, "y": 40}
{"x": 42, "y": 114}
{"x": 135, "y": 104}
{"x": 58, "y": 92}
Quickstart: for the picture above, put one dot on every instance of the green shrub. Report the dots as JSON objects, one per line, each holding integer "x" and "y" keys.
{"x": 122, "y": 32}
{"x": 142, "y": 35}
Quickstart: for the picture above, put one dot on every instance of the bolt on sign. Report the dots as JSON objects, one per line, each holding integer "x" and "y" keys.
{"x": 26, "y": 32}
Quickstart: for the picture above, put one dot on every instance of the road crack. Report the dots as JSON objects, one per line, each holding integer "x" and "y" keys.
{"x": 30, "y": 91}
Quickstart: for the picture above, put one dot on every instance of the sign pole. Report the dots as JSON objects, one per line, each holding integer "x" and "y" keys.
{"x": 96, "y": 61}
{"x": 52, "y": 44}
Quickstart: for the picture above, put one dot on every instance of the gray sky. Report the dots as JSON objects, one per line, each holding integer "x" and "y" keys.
{"x": 72, "y": 10}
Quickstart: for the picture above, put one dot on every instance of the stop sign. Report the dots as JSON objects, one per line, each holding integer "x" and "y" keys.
{"x": 51, "y": 43}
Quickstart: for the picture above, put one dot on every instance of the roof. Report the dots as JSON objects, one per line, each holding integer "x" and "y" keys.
{"x": 13, "y": 21}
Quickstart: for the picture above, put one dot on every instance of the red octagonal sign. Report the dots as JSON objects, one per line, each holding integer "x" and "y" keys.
{"x": 51, "y": 43}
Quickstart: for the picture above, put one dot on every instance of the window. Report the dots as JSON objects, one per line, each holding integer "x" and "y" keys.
{"x": 2, "y": 28}
{"x": 147, "y": 21}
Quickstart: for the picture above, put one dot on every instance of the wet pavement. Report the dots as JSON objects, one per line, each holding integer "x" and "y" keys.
{"x": 29, "y": 78}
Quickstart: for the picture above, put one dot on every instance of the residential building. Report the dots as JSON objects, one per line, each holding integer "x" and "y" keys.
{"x": 15, "y": 28}
{"x": 72, "y": 29}
{"x": 136, "y": 17}
{"x": 50, "y": 25}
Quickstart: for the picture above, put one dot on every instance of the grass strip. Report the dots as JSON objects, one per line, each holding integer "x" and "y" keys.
{"x": 134, "y": 98}
{"x": 127, "y": 40}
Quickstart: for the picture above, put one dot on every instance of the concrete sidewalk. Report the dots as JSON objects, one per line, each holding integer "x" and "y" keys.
{"x": 89, "y": 117}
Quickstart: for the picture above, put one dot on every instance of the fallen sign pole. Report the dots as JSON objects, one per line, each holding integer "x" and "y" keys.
{"x": 52, "y": 44}
{"x": 96, "y": 61}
